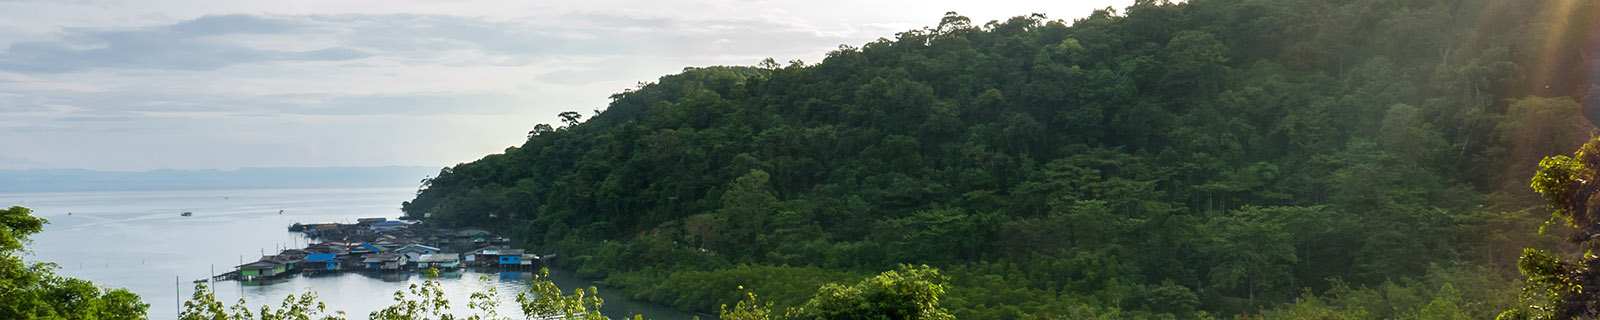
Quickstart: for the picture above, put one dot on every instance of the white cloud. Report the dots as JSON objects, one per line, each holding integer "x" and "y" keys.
{"x": 190, "y": 84}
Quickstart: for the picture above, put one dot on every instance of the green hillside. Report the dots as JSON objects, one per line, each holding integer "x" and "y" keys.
{"x": 1368, "y": 158}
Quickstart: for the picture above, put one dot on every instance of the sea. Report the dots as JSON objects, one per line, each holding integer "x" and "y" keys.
{"x": 140, "y": 240}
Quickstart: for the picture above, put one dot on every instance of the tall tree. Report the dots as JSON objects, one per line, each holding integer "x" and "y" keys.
{"x": 1566, "y": 286}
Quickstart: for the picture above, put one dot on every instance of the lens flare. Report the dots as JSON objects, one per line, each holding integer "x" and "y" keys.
{"x": 1568, "y": 37}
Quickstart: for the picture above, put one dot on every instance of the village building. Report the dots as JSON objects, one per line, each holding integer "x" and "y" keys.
{"x": 329, "y": 247}
{"x": 267, "y": 267}
{"x": 292, "y": 255}
{"x": 379, "y": 244}
{"x": 472, "y": 258}
{"x": 321, "y": 262}
{"x": 389, "y": 226}
{"x": 320, "y": 229}
{"x": 442, "y": 261}
{"x": 365, "y": 248}
{"x": 385, "y": 261}
{"x": 510, "y": 257}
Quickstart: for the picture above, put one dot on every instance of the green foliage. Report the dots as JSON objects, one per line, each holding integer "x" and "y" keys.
{"x": 690, "y": 289}
{"x": 545, "y": 300}
{"x": 747, "y": 309}
{"x": 1562, "y": 286}
{"x": 16, "y": 223}
{"x": 1456, "y": 292}
{"x": 33, "y": 291}
{"x": 203, "y": 305}
{"x": 1252, "y": 250}
{"x": 1170, "y": 159}
{"x": 420, "y": 301}
{"x": 425, "y": 301}
{"x": 910, "y": 293}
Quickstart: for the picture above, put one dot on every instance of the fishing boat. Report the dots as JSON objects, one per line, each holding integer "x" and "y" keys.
{"x": 186, "y": 213}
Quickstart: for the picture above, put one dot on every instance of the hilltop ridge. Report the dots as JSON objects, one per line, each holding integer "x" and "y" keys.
{"x": 1208, "y": 157}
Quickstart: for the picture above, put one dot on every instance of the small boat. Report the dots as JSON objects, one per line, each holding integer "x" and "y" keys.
{"x": 186, "y": 213}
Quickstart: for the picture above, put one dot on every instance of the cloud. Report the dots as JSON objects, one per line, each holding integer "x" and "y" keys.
{"x": 213, "y": 25}
{"x": 183, "y": 46}
{"x": 291, "y": 89}
{"x": 421, "y": 104}
{"x": 213, "y": 42}
{"x": 116, "y": 84}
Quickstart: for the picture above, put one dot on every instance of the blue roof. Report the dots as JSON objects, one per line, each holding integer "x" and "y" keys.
{"x": 391, "y": 223}
{"x": 371, "y": 247}
{"x": 320, "y": 257}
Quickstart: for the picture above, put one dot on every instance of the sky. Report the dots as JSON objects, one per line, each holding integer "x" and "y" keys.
{"x": 208, "y": 84}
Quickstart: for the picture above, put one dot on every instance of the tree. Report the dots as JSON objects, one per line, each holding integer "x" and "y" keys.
{"x": 1534, "y": 128}
{"x": 1086, "y": 162}
{"x": 747, "y": 309}
{"x": 545, "y": 301}
{"x": 1252, "y": 249}
{"x": 1565, "y": 286}
{"x": 953, "y": 21}
{"x": 203, "y": 305}
{"x": 1196, "y": 59}
{"x": 744, "y": 213}
{"x": 908, "y": 293}
{"x": 540, "y": 129}
{"x": 16, "y": 223}
{"x": 940, "y": 236}
{"x": 426, "y": 302}
{"x": 33, "y": 291}
{"x": 768, "y": 63}
{"x": 570, "y": 118}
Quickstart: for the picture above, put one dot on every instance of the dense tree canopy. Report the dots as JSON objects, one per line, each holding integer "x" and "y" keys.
{"x": 1213, "y": 156}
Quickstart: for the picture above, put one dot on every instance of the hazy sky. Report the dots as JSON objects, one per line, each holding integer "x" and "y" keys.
{"x": 192, "y": 84}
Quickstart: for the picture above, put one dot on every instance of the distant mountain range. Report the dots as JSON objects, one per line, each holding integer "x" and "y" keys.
{"x": 48, "y": 180}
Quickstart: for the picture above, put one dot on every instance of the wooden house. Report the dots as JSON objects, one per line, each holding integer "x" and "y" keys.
{"x": 439, "y": 260}
{"x": 264, "y": 268}
{"x": 321, "y": 262}
{"x": 481, "y": 256}
{"x": 385, "y": 261}
{"x": 510, "y": 257}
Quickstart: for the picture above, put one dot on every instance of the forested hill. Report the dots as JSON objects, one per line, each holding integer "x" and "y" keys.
{"x": 1210, "y": 157}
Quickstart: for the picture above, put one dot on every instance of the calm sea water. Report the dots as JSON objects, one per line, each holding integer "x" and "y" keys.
{"x": 138, "y": 240}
